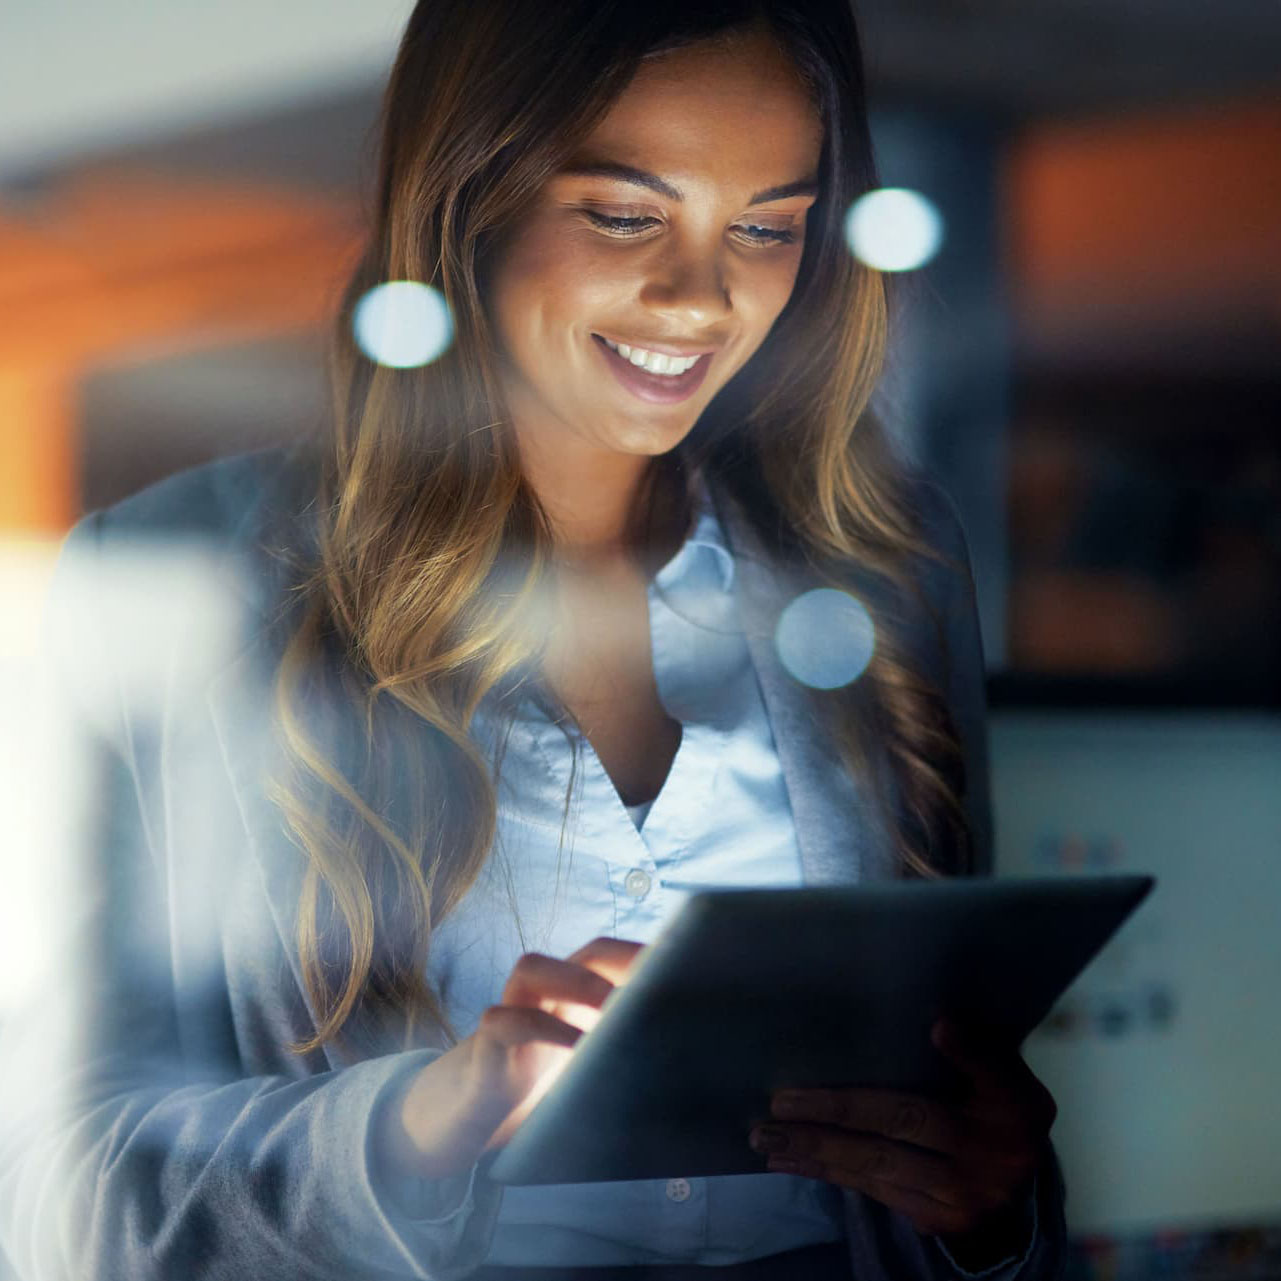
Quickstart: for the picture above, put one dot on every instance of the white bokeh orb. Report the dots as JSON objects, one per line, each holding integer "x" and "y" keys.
{"x": 894, "y": 229}
{"x": 402, "y": 324}
{"x": 825, "y": 638}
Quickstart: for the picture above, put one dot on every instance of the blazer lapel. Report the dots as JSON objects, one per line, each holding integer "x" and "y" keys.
{"x": 836, "y": 829}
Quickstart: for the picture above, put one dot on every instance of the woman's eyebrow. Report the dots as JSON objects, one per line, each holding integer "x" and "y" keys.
{"x": 641, "y": 178}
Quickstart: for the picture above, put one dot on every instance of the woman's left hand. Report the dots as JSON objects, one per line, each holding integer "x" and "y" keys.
{"x": 961, "y": 1171}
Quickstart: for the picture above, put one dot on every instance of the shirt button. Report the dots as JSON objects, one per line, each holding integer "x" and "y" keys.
{"x": 678, "y": 1189}
{"x": 637, "y": 882}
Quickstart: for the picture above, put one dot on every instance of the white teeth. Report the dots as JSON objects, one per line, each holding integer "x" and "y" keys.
{"x": 652, "y": 361}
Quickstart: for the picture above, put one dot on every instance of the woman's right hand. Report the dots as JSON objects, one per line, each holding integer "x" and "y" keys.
{"x": 474, "y": 1095}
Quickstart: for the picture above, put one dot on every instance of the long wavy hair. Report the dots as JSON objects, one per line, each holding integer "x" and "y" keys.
{"x": 430, "y": 549}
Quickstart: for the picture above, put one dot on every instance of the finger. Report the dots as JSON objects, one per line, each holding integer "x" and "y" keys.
{"x": 540, "y": 981}
{"x": 513, "y": 1047}
{"x": 977, "y": 1052}
{"x": 894, "y": 1114}
{"x": 982, "y": 1164}
{"x": 518, "y": 1052}
{"x": 509, "y": 1026}
{"x": 950, "y": 1206}
{"x": 927, "y": 1214}
{"x": 865, "y": 1157}
{"x": 610, "y": 958}
{"x": 997, "y": 1071}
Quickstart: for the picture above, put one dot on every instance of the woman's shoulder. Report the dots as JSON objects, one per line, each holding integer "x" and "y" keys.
{"x": 241, "y": 517}
{"x": 176, "y": 579}
{"x": 936, "y": 519}
{"x": 216, "y": 500}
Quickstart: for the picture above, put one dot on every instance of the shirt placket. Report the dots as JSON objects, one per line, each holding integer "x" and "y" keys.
{"x": 695, "y": 649}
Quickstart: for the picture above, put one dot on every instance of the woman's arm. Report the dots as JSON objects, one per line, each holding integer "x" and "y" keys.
{"x": 962, "y": 671}
{"x": 885, "y": 1245}
{"x": 130, "y": 1148}
{"x": 120, "y": 1168}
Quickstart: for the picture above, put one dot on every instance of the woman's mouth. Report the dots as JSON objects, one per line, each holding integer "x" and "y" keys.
{"x": 655, "y": 387}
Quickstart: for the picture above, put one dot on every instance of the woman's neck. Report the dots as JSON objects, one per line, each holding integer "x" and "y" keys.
{"x": 591, "y": 501}
{"x": 588, "y": 496}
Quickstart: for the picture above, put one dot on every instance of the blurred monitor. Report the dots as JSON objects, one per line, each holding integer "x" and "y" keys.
{"x": 1164, "y": 1056}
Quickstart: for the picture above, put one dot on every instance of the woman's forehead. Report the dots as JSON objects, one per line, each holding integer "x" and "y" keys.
{"x": 710, "y": 111}
{"x": 748, "y": 69}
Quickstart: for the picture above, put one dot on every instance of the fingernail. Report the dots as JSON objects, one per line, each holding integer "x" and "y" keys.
{"x": 766, "y": 1139}
{"x": 783, "y": 1165}
{"x": 787, "y": 1105}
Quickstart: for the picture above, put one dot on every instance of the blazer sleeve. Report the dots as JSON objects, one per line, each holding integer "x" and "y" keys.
{"x": 965, "y": 673}
{"x": 884, "y": 1245}
{"x": 121, "y": 1153}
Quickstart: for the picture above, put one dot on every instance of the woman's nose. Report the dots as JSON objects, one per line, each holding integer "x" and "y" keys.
{"x": 691, "y": 287}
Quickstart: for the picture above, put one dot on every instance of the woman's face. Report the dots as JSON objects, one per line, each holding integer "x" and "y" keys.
{"x": 677, "y": 229}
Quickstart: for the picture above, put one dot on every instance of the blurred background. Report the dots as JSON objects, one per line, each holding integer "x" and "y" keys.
{"x": 1088, "y": 355}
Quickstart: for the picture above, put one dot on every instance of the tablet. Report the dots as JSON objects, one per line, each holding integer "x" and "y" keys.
{"x": 750, "y": 990}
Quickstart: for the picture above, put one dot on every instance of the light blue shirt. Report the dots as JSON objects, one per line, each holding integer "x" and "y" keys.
{"x": 556, "y": 881}
{"x": 722, "y": 817}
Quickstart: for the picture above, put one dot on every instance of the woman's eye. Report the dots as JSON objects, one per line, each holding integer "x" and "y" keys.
{"x": 635, "y": 226}
{"x": 771, "y": 235}
{"x": 619, "y": 226}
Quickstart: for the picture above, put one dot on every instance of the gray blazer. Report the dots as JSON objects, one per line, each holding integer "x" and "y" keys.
{"x": 153, "y": 1122}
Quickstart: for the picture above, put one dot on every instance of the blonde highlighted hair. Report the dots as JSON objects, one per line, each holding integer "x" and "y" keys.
{"x": 423, "y": 595}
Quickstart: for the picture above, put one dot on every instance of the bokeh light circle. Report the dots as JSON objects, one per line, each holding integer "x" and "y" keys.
{"x": 402, "y": 324}
{"x": 825, "y": 638}
{"x": 894, "y": 229}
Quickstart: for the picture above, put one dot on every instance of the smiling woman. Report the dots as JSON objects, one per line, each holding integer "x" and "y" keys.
{"x": 675, "y": 230}
{"x": 518, "y": 602}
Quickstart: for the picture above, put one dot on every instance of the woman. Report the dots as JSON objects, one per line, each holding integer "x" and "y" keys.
{"x": 515, "y": 591}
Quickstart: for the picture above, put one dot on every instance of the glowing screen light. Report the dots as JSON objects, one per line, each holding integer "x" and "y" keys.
{"x": 402, "y": 324}
{"x": 894, "y": 229}
{"x": 825, "y": 638}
